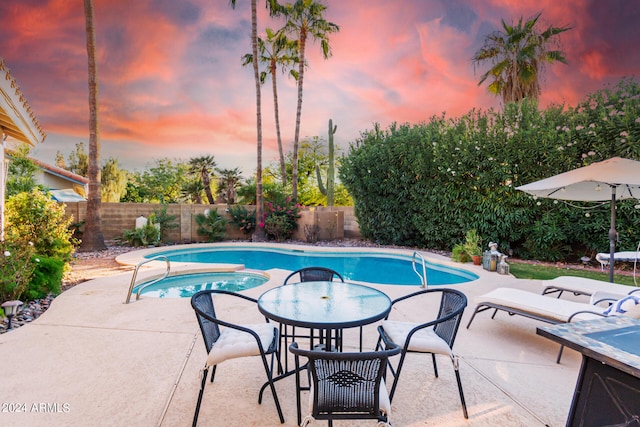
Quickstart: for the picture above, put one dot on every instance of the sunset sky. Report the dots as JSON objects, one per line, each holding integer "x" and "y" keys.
{"x": 172, "y": 85}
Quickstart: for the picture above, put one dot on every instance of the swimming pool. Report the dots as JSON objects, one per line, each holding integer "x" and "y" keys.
{"x": 184, "y": 285}
{"x": 371, "y": 267}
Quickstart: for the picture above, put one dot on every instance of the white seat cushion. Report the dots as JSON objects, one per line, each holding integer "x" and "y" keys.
{"x": 234, "y": 343}
{"x": 425, "y": 340}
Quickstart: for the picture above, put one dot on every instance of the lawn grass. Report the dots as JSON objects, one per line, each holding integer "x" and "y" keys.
{"x": 543, "y": 272}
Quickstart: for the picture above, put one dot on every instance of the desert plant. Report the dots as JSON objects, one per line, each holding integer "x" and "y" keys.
{"x": 329, "y": 189}
{"x": 244, "y": 219}
{"x": 165, "y": 221}
{"x": 143, "y": 236}
{"x": 473, "y": 243}
{"x": 459, "y": 254}
{"x": 212, "y": 225}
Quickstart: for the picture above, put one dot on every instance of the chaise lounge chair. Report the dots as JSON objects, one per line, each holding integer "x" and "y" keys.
{"x": 535, "y": 306}
{"x": 538, "y": 307}
{"x": 628, "y": 256}
{"x": 584, "y": 286}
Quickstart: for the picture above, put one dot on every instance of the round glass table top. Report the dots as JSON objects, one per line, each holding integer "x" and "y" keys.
{"x": 324, "y": 305}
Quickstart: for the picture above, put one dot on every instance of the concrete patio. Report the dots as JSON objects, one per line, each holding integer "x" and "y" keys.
{"x": 91, "y": 360}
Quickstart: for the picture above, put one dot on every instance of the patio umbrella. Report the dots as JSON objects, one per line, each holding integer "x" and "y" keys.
{"x": 612, "y": 179}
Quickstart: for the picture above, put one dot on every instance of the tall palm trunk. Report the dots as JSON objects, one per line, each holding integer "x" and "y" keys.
{"x": 258, "y": 234}
{"x": 296, "y": 141}
{"x": 92, "y": 238}
{"x": 283, "y": 169}
{"x": 206, "y": 182}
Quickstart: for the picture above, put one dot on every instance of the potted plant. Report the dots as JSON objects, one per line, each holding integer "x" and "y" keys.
{"x": 473, "y": 246}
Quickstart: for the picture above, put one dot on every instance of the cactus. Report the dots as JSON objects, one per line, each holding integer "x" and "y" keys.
{"x": 328, "y": 191}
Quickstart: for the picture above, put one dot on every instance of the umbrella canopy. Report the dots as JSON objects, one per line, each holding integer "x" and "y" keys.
{"x": 611, "y": 179}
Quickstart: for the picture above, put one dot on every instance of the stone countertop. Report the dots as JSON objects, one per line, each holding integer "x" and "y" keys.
{"x": 614, "y": 340}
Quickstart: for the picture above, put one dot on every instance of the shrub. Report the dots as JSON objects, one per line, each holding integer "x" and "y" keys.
{"x": 243, "y": 218}
{"x": 35, "y": 217}
{"x": 143, "y": 236}
{"x": 211, "y": 225}
{"x": 423, "y": 185}
{"x": 167, "y": 222}
{"x": 47, "y": 278}
{"x": 17, "y": 264}
{"x": 459, "y": 254}
{"x": 281, "y": 219}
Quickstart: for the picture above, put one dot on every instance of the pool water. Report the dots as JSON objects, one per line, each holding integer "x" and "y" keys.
{"x": 185, "y": 285}
{"x": 371, "y": 267}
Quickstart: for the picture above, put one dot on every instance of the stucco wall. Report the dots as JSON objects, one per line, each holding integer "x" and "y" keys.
{"x": 332, "y": 222}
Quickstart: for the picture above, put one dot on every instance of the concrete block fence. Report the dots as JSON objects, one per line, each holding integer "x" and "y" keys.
{"x": 318, "y": 223}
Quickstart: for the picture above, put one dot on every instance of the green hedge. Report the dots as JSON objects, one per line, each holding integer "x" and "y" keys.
{"x": 427, "y": 184}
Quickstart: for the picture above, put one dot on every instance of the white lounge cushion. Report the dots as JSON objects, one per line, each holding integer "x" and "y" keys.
{"x": 585, "y": 286}
{"x": 234, "y": 343}
{"x": 539, "y": 305}
{"x": 425, "y": 340}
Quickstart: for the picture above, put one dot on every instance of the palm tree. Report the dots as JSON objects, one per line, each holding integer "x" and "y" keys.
{"x": 272, "y": 5}
{"x": 203, "y": 166}
{"x": 192, "y": 190}
{"x": 518, "y": 55}
{"x": 92, "y": 238}
{"x": 276, "y": 51}
{"x": 303, "y": 20}
{"x": 229, "y": 182}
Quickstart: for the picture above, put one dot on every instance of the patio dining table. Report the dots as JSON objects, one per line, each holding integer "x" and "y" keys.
{"x": 325, "y": 306}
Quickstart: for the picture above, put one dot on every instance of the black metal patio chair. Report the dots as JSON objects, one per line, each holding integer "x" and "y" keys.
{"x": 436, "y": 336}
{"x": 225, "y": 340}
{"x": 344, "y": 386}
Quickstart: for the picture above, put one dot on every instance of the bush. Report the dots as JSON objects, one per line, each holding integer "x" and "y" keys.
{"x": 167, "y": 222}
{"x": 143, "y": 236}
{"x": 211, "y": 225}
{"x": 459, "y": 254}
{"x": 423, "y": 185}
{"x": 17, "y": 264}
{"x": 281, "y": 219}
{"x": 242, "y": 218}
{"x": 47, "y": 278}
{"x": 35, "y": 217}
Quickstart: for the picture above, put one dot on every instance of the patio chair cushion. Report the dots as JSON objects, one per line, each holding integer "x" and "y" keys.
{"x": 424, "y": 341}
{"x": 235, "y": 343}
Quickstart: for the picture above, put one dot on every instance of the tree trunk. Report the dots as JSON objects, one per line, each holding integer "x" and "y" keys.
{"x": 92, "y": 238}
{"x": 206, "y": 182}
{"x": 283, "y": 169}
{"x": 296, "y": 141}
{"x": 258, "y": 234}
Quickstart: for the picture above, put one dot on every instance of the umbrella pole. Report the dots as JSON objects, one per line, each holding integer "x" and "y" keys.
{"x": 612, "y": 233}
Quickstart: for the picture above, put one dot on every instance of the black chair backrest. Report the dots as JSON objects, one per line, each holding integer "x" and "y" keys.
{"x": 346, "y": 385}
{"x": 202, "y": 303}
{"x": 452, "y": 304}
{"x": 315, "y": 274}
